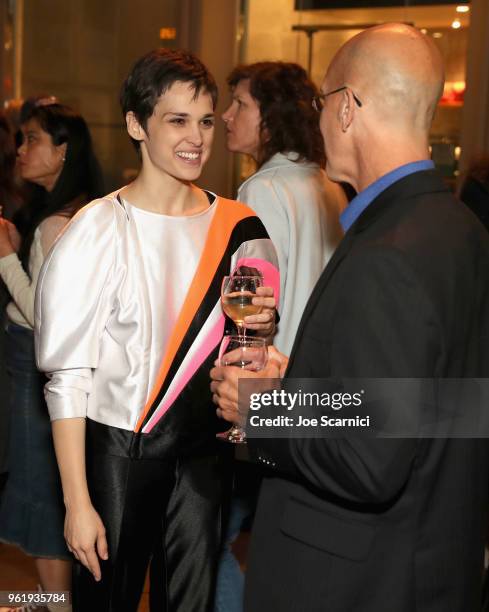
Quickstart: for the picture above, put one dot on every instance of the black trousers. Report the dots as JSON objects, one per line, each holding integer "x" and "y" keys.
{"x": 165, "y": 514}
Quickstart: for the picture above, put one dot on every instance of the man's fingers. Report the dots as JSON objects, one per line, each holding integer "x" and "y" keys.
{"x": 226, "y": 402}
{"x": 232, "y": 416}
{"x": 225, "y": 395}
{"x": 217, "y": 373}
{"x": 279, "y": 357}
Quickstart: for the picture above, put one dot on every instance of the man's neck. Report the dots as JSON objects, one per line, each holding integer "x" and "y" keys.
{"x": 373, "y": 168}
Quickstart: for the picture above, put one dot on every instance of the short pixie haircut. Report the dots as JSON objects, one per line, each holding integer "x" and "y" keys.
{"x": 289, "y": 123}
{"x": 154, "y": 73}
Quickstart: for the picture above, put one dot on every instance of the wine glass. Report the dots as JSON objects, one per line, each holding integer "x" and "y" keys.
{"x": 237, "y": 293}
{"x": 248, "y": 354}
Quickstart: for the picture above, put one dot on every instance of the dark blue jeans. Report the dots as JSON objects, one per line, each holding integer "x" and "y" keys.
{"x": 31, "y": 508}
{"x": 230, "y": 578}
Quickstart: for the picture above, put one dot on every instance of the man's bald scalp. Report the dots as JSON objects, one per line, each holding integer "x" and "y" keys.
{"x": 397, "y": 68}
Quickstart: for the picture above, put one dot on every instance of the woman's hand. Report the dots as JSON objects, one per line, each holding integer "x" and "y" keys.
{"x": 85, "y": 537}
{"x": 263, "y": 323}
{"x": 6, "y": 246}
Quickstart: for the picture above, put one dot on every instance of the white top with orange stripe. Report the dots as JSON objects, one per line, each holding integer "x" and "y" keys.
{"x": 95, "y": 331}
{"x": 179, "y": 240}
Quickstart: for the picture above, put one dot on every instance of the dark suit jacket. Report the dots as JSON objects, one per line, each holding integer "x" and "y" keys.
{"x": 476, "y": 195}
{"x": 383, "y": 525}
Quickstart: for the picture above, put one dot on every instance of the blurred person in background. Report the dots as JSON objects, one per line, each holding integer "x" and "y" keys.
{"x": 56, "y": 156}
{"x": 10, "y": 194}
{"x": 10, "y": 200}
{"x": 271, "y": 118}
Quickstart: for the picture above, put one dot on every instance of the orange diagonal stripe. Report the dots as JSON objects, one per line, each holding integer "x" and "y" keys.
{"x": 228, "y": 214}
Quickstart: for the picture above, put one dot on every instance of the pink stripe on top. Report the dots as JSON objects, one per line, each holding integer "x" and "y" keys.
{"x": 187, "y": 370}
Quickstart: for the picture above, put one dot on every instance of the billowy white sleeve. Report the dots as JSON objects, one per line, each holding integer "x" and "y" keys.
{"x": 19, "y": 285}
{"x": 261, "y": 195}
{"x": 72, "y": 307}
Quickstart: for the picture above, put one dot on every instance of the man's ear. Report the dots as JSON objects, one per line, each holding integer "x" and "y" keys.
{"x": 134, "y": 128}
{"x": 347, "y": 109}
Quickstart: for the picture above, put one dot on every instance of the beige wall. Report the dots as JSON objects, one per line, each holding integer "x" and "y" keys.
{"x": 80, "y": 50}
{"x": 217, "y": 46}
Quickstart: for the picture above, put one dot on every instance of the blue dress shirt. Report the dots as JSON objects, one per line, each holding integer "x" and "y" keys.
{"x": 368, "y": 195}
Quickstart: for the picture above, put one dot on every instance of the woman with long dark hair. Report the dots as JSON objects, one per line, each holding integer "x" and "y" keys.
{"x": 57, "y": 157}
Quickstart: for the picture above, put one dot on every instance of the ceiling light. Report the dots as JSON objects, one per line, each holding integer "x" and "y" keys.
{"x": 456, "y": 24}
{"x": 437, "y": 34}
{"x": 463, "y": 8}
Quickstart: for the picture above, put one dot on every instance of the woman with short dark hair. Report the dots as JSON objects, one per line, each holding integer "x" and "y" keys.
{"x": 128, "y": 333}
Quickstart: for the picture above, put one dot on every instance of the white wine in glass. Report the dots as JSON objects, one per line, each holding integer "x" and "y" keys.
{"x": 237, "y": 295}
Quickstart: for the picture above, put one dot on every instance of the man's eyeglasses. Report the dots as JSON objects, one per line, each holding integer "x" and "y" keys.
{"x": 318, "y": 101}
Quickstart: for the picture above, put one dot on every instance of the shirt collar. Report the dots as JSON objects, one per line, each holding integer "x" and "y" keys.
{"x": 368, "y": 195}
{"x": 284, "y": 159}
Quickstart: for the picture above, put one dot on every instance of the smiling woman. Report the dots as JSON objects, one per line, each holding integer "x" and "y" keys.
{"x": 128, "y": 329}
{"x": 177, "y": 138}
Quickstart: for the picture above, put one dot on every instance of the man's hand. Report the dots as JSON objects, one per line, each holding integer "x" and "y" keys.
{"x": 225, "y": 379}
{"x": 85, "y": 538}
{"x": 279, "y": 358}
{"x": 263, "y": 323}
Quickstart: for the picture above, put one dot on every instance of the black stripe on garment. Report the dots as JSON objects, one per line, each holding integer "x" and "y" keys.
{"x": 250, "y": 228}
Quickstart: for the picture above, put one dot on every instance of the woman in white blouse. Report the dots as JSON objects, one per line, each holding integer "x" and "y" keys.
{"x": 57, "y": 157}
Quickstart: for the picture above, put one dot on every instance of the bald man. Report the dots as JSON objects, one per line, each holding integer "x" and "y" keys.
{"x": 365, "y": 524}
